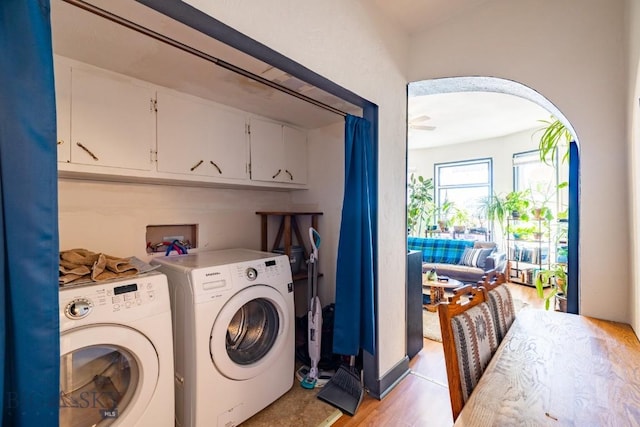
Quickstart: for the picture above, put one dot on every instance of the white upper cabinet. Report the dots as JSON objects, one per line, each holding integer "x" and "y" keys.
{"x": 295, "y": 153}
{"x": 62, "y": 74}
{"x": 197, "y": 137}
{"x": 114, "y": 127}
{"x": 112, "y": 120}
{"x": 278, "y": 153}
{"x": 267, "y": 151}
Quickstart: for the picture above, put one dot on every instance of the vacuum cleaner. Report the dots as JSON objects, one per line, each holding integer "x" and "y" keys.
{"x": 314, "y": 315}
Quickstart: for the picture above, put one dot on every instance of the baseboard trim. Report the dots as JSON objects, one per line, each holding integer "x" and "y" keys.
{"x": 382, "y": 386}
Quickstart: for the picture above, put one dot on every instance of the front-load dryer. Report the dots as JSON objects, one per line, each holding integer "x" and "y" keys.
{"x": 116, "y": 363}
{"x": 233, "y": 317}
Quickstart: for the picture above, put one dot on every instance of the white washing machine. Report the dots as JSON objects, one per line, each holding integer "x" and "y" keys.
{"x": 116, "y": 363}
{"x": 233, "y": 317}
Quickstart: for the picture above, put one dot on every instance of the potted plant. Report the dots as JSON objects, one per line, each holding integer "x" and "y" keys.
{"x": 523, "y": 232}
{"x": 492, "y": 207}
{"x": 420, "y": 203}
{"x": 558, "y": 273}
{"x": 516, "y": 204}
{"x": 430, "y": 218}
{"x": 459, "y": 219}
{"x": 542, "y": 212}
{"x": 541, "y": 197}
{"x": 442, "y": 212}
{"x": 555, "y": 136}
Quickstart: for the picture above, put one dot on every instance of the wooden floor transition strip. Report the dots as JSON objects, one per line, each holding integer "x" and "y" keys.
{"x": 424, "y": 377}
{"x": 331, "y": 419}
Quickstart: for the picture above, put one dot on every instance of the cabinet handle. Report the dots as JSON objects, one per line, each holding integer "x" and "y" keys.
{"x": 290, "y": 174}
{"x": 216, "y": 166}
{"x": 277, "y": 173}
{"x": 196, "y": 165}
{"x": 60, "y": 142}
{"x": 93, "y": 156}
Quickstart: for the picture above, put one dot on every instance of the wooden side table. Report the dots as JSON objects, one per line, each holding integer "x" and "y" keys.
{"x": 436, "y": 291}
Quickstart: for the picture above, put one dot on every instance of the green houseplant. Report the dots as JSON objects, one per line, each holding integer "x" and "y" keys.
{"x": 554, "y": 136}
{"x": 493, "y": 208}
{"x": 542, "y": 195}
{"x": 553, "y": 148}
{"x": 442, "y": 212}
{"x": 420, "y": 206}
{"x": 516, "y": 204}
{"x": 523, "y": 232}
{"x": 558, "y": 273}
{"x": 459, "y": 219}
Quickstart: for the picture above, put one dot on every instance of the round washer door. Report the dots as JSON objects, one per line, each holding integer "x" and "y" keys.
{"x": 248, "y": 334}
{"x": 105, "y": 383}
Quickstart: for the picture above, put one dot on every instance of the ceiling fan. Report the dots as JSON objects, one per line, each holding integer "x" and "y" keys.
{"x": 418, "y": 123}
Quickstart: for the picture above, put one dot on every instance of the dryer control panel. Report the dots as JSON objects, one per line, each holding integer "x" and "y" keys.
{"x": 264, "y": 270}
{"x": 214, "y": 282}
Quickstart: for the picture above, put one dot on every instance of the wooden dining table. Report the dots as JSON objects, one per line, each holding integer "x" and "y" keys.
{"x": 558, "y": 369}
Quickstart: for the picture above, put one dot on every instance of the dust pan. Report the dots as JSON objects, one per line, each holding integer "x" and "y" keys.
{"x": 345, "y": 390}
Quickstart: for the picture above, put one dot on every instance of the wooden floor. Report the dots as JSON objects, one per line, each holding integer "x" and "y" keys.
{"x": 422, "y": 398}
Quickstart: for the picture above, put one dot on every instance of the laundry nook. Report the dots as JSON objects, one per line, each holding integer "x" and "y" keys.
{"x": 190, "y": 173}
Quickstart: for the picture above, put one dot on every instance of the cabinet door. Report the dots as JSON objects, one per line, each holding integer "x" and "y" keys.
{"x": 112, "y": 120}
{"x": 197, "y": 138}
{"x": 183, "y": 132}
{"x": 267, "y": 151}
{"x": 62, "y": 73}
{"x": 295, "y": 151}
{"x": 227, "y": 153}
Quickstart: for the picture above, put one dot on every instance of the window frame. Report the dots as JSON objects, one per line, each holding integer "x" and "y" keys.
{"x": 437, "y": 179}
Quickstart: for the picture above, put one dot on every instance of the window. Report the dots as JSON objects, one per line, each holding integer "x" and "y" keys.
{"x": 529, "y": 173}
{"x": 464, "y": 185}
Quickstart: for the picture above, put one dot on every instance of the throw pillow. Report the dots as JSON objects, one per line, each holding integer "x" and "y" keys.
{"x": 484, "y": 245}
{"x": 475, "y": 257}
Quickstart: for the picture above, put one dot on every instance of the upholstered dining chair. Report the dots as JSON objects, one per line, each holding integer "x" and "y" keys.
{"x": 500, "y": 301}
{"x": 469, "y": 341}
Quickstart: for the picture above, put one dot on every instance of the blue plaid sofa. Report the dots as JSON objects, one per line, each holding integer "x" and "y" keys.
{"x": 463, "y": 260}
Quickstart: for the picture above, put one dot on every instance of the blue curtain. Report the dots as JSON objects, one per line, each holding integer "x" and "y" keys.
{"x": 573, "y": 291}
{"x": 354, "y": 326}
{"x": 29, "y": 330}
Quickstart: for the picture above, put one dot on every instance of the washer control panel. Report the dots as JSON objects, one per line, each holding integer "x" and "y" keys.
{"x": 78, "y": 308}
{"x": 122, "y": 296}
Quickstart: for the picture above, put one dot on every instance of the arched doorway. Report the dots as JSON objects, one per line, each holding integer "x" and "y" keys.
{"x": 490, "y": 85}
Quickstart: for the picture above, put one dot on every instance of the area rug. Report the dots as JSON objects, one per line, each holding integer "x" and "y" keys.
{"x": 431, "y": 322}
{"x": 298, "y": 407}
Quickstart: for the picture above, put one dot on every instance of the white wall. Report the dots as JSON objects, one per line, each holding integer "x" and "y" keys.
{"x": 572, "y": 52}
{"x": 499, "y": 149}
{"x": 633, "y": 25}
{"x": 325, "y": 194}
{"x": 350, "y": 44}
{"x": 112, "y": 217}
